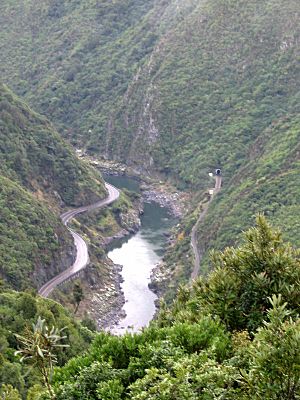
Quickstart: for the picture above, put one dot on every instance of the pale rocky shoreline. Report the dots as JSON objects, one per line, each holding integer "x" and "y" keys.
{"x": 152, "y": 188}
{"x": 164, "y": 199}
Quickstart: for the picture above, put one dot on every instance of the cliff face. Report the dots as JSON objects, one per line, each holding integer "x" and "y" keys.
{"x": 211, "y": 86}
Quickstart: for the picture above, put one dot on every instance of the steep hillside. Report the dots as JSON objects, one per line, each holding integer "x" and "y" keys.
{"x": 34, "y": 245}
{"x": 222, "y": 89}
{"x": 38, "y": 175}
{"x": 33, "y": 154}
{"x": 268, "y": 183}
{"x": 73, "y": 60}
{"x": 211, "y": 86}
{"x": 174, "y": 86}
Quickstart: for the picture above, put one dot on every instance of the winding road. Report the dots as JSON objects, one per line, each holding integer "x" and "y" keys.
{"x": 82, "y": 255}
{"x": 197, "y": 253}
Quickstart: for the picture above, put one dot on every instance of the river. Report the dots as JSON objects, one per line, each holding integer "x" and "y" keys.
{"x": 138, "y": 254}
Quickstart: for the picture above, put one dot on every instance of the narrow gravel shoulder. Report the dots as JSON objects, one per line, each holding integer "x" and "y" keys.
{"x": 82, "y": 255}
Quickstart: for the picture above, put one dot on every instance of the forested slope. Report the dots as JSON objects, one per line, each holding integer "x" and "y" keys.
{"x": 34, "y": 245}
{"x": 221, "y": 89}
{"x": 73, "y": 60}
{"x": 33, "y": 154}
{"x": 39, "y": 174}
{"x": 212, "y": 85}
{"x": 269, "y": 182}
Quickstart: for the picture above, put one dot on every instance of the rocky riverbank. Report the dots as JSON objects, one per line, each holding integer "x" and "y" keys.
{"x": 152, "y": 188}
{"x": 159, "y": 280}
{"x": 103, "y": 297}
{"x": 171, "y": 201}
{"x": 105, "y": 300}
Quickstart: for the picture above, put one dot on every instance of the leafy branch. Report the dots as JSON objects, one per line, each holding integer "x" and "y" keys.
{"x": 38, "y": 349}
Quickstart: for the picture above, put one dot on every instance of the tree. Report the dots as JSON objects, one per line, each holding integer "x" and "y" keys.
{"x": 245, "y": 277}
{"x": 8, "y": 392}
{"x": 27, "y": 305}
{"x": 274, "y": 372}
{"x": 78, "y": 295}
{"x": 38, "y": 349}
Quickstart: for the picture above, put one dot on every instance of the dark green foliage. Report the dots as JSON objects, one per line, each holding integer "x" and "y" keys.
{"x": 244, "y": 278}
{"x": 33, "y": 154}
{"x": 18, "y": 311}
{"x": 216, "y": 81}
{"x": 78, "y": 295}
{"x": 32, "y": 239}
{"x": 77, "y": 58}
{"x": 38, "y": 174}
{"x": 275, "y": 359}
{"x": 269, "y": 183}
{"x": 117, "y": 362}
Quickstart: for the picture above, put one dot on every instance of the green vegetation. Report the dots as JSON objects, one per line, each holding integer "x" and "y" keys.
{"x": 38, "y": 347}
{"x": 170, "y": 86}
{"x": 220, "y": 77}
{"x": 33, "y": 154}
{"x": 234, "y": 335}
{"x": 78, "y": 57}
{"x": 18, "y": 312}
{"x": 122, "y": 214}
{"x": 247, "y": 276}
{"x": 78, "y": 295}
{"x": 268, "y": 183}
{"x": 38, "y": 174}
{"x": 33, "y": 240}
{"x": 222, "y": 91}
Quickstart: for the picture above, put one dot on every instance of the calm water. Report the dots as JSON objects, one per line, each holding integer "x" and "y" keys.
{"x": 138, "y": 255}
{"x": 123, "y": 182}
